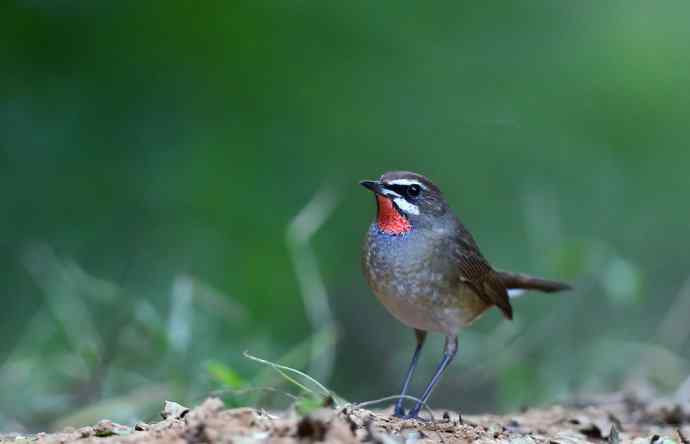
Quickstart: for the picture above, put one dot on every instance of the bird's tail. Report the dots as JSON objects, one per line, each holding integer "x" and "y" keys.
{"x": 518, "y": 283}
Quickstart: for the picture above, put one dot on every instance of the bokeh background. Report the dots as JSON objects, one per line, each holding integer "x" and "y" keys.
{"x": 155, "y": 157}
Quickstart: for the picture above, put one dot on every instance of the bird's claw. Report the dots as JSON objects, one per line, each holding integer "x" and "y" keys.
{"x": 400, "y": 413}
{"x": 416, "y": 417}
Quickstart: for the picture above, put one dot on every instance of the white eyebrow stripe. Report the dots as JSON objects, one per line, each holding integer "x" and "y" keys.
{"x": 406, "y": 182}
{"x": 390, "y": 193}
{"x": 406, "y": 206}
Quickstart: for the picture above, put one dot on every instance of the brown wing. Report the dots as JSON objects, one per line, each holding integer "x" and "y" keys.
{"x": 476, "y": 272}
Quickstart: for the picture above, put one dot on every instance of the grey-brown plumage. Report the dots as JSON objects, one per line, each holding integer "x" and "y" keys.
{"x": 426, "y": 268}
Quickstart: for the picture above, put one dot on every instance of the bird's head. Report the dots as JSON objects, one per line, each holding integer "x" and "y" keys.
{"x": 406, "y": 201}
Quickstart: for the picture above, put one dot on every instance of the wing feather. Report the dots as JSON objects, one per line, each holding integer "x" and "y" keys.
{"x": 476, "y": 272}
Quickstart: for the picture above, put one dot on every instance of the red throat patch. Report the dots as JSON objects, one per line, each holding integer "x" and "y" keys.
{"x": 389, "y": 220}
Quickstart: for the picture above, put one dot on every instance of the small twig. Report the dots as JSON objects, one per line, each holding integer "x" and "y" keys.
{"x": 245, "y": 390}
{"x": 396, "y": 397}
{"x": 282, "y": 369}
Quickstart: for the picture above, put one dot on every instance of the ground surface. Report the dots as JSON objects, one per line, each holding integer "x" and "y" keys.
{"x": 618, "y": 419}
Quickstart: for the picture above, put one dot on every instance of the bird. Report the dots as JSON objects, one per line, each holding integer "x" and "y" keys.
{"x": 425, "y": 267}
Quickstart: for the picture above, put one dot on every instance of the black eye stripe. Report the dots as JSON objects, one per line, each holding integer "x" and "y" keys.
{"x": 400, "y": 189}
{"x": 405, "y": 190}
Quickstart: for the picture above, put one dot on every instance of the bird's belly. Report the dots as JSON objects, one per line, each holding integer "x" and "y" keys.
{"x": 432, "y": 311}
{"x": 416, "y": 291}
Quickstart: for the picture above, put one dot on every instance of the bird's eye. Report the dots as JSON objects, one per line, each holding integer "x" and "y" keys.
{"x": 413, "y": 190}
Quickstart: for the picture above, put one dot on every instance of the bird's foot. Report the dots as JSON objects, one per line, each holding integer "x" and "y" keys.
{"x": 411, "y": 415}
{"x": 399, "y": 412}
{"x": 416, "y": 417}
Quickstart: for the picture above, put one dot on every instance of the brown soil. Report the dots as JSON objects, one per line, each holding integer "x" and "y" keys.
{"x": 618, "y": 419}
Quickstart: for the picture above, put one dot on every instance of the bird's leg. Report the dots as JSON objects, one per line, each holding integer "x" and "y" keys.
{"x": 399, "y": 409}
{"x": 449, "y": 351}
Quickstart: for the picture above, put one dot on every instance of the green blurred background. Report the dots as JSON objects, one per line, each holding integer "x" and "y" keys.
{"x": 154, "y": 156}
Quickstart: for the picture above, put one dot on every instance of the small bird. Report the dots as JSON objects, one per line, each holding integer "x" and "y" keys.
{"x": 425, "y": 267}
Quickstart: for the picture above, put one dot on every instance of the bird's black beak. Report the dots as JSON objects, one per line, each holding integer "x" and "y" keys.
{"x": 373, "y": 185}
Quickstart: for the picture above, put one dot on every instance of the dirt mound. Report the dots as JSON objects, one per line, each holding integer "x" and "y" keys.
{"x": 615, "y": 420}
